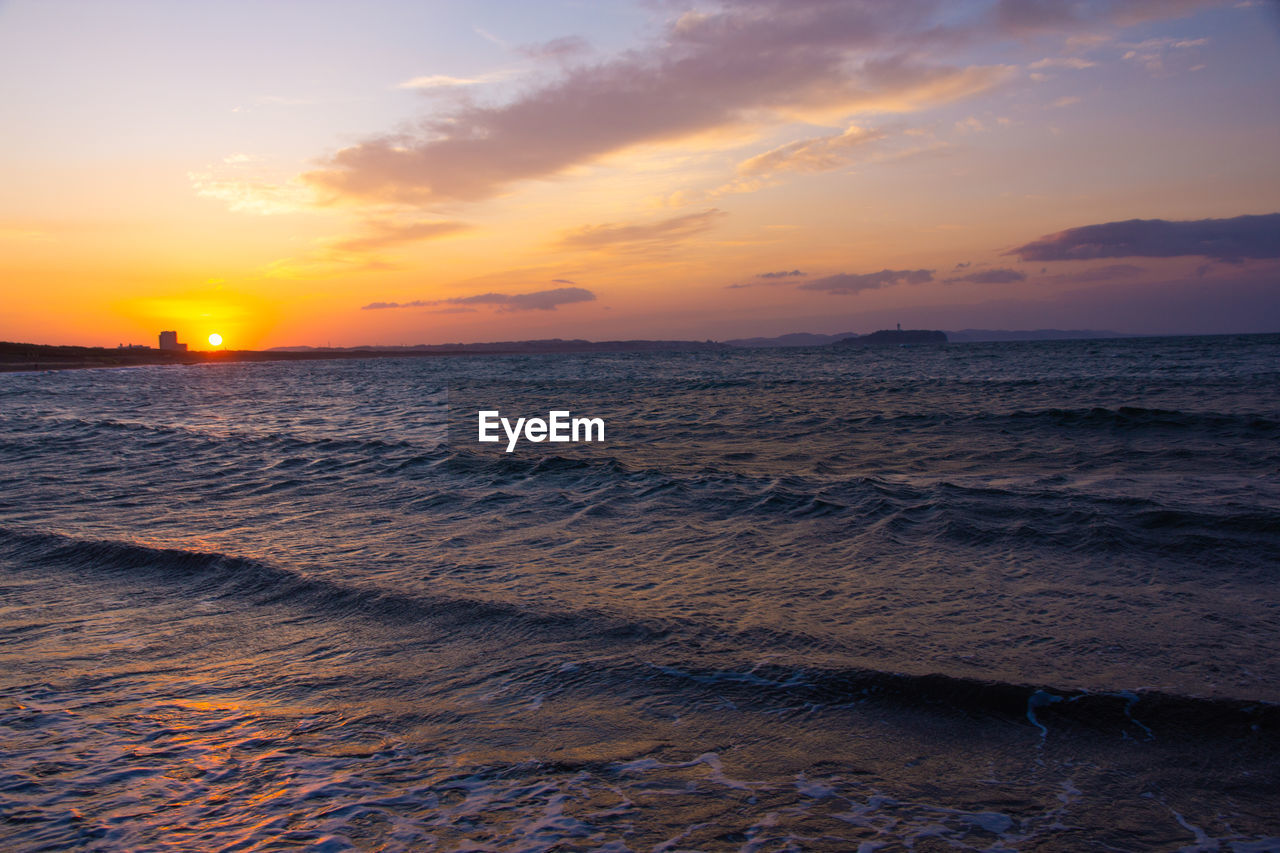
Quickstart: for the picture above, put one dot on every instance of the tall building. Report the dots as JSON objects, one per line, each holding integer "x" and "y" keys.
{"x": 169, "y": 341}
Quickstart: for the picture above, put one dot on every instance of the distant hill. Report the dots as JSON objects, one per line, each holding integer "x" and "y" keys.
{"x": 894, "y": 336}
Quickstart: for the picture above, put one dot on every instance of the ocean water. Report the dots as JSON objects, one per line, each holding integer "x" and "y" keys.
{"x": 1014, "y": 596}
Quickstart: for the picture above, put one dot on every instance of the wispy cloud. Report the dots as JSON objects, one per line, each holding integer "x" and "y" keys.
{"x": 1152, "y": 54}
{"x": 849, "y": 283}
{"x": 557, "y": 50}
{"x": 540, "y": 300}
{"x": 380, "y": 235}
{"x": 1232, "y": 239}
{"x": 641, "y": 236}
{"x": 246, "y": 187}
{"x": 437, "y": 81}
{"x": 1073, "y": 62}
{"x": 490, "y": 37}
{"x": 362, "y": 251}
{"x": 819, "y": 154}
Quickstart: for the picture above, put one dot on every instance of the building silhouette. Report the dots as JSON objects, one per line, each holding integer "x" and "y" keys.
{"x": 169, "y": 341}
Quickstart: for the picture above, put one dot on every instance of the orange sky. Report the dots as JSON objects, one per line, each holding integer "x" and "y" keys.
{"x": 488, "y": 172}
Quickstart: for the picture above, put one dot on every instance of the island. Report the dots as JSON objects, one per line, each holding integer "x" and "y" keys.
{"x": 898, "y": 336}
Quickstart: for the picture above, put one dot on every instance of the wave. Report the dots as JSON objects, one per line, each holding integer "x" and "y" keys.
{"x": 902, "y": 508}
{"x": 1148, "y": 711}
{"x": 207, "y": 573}
{"x": 667, "y": 656}
{"x": 94, "y": 428}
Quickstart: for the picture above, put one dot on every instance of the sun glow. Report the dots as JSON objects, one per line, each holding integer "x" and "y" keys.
{"x": 215, "y": 340}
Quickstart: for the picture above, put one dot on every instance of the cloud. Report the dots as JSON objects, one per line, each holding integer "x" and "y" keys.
{"x": 1000, "y": 275}
{"x": 1073, "y": 62}
{"x": 758, "y": 60}
{"x": 557, "y": 50}
{"x": 1152, "y": 53}
{"x": 641, "y": 236}
{"x": 436, "y": 81}
{"x": 359, "y": 252}
{"x": 1221, "y": 239}
{"x": 845, "y": 283}
{"x": 247, "y": 192}
{"x": 819, "y": 154}
{"x": 541, "y": 300}
{"x": 380, "y": 235}
{"x": 489, "y": 37}
{"x": 562, "y": 281}
{"x": 779, "y": 277}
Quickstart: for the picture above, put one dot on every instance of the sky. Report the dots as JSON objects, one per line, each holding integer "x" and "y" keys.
{"x": 383, "y": 173}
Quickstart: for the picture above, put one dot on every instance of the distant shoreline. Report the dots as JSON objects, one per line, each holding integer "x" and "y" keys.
{"x": 38, "y": 358}
{"x": 34, "y": 358}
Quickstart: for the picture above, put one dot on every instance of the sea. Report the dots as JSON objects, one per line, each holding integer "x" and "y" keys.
{"x": 983, "y": 596}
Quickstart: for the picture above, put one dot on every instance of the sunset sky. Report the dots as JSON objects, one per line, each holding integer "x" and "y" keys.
{"x": 429, "y": 172}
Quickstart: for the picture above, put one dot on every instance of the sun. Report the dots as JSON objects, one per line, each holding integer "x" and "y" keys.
{"x": 215, "y": 340}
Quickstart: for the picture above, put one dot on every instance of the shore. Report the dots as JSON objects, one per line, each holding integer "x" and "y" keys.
{"x": 15, "y": 357}
{"x": 35, "y": 357}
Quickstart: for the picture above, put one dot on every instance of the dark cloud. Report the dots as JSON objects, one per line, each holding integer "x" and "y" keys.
{"x": 779, "y": 277}
{"x": 641, "y": 236}
{"x": 380, "y": 235}
{"x": 854, "y": 283}
{"x": 562, "y": 281}
{"x": 711, "y": 69}
{"x": 377, "y": 306}
{"x": 1232, "y": 240}
{"x": 541, "y": 300}
{"x": 1000, "y": 275}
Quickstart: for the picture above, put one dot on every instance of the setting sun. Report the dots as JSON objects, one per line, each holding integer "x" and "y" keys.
{"x": 215, "y": 340}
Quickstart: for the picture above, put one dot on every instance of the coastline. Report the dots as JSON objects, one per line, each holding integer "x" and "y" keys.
{"x": 38, "y": 358}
